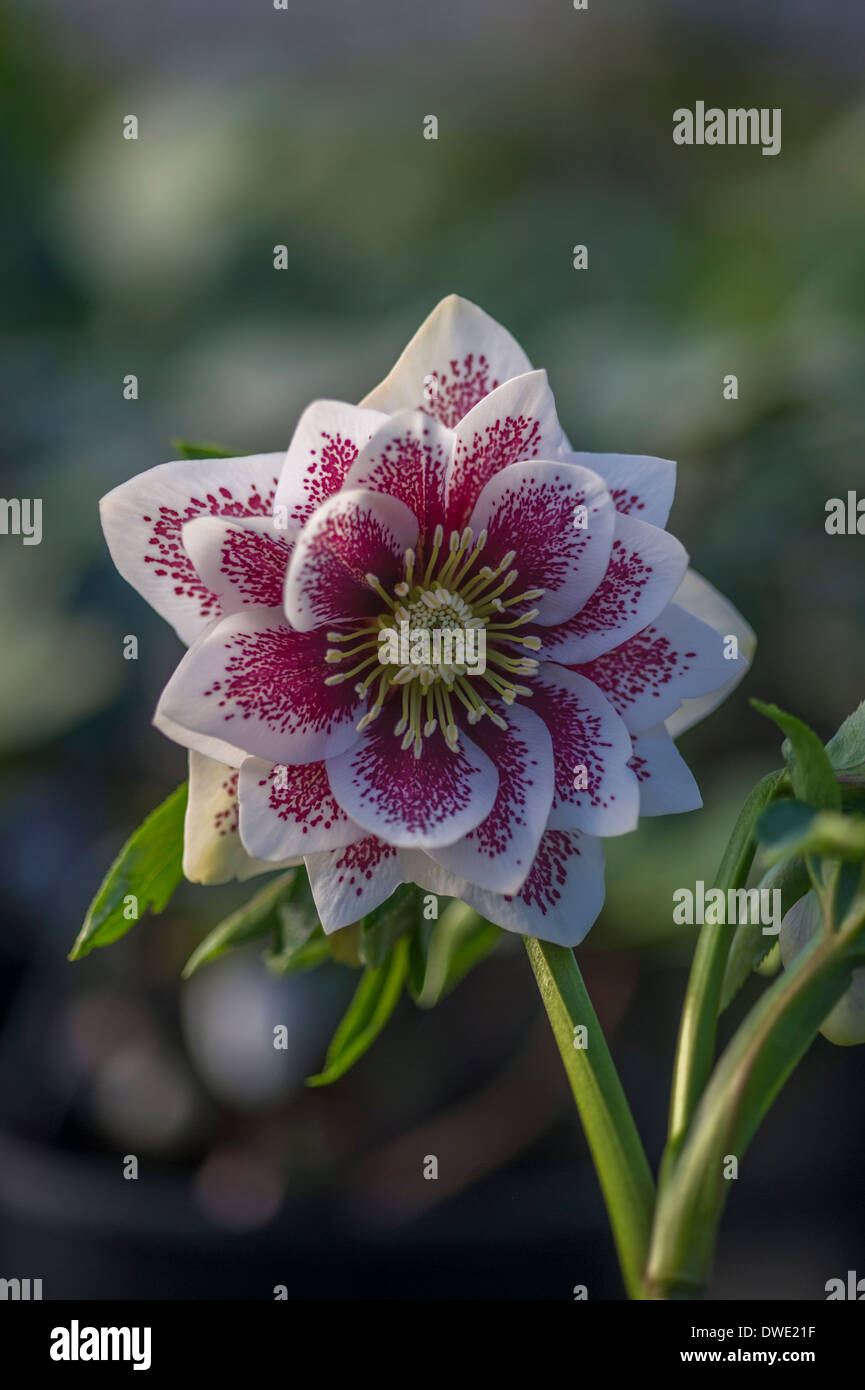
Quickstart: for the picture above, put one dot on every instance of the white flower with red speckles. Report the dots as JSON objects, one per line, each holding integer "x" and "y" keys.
{"x": 449, "y": 498}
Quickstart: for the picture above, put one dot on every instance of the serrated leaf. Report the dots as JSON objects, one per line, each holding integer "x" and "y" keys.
{"x": 846, "y": 748}
{"x": 459, "y": 940}
{"x": 147, "y": 869}
{"x": 188, "y": 449}
{"x": 254, "y": 919}
{"x": 811, "y": 772}
{"x": 374, "y": 1001}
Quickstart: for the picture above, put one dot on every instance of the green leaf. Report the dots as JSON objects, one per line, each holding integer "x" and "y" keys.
{"x": 827, "y": 834}
{"x": 750, "y": 944}
{"x": 846, "y": 748}
{"x": 374, "y": 1001}
{"x": 299, "y": 943}
{"x": 188, "y": 449}
{"x": 811, "y": 772}
{"x": 459, "y": 940}
{"x": 256, "y": 917}
{"x": 381, "y": 929}
{"x": 147, "y": 870}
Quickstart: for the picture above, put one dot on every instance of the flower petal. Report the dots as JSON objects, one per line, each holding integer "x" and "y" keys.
{"x": 498, "y": 854}
{"x": 697, "y": 596}
{"x": 212, "y": 849}
{"x": 252, "y": 679}
{"x": 667, "y": 784}
{"x": 351, "y": 535}
{"x": 640, "y": 486}
{"x": 287, "y": 810}
{"x": 596, "y": 791}
{"x": 456, "y": 357}
{"x": 241, "y": 562}
{"x": 645, "y": 570}
{"x": 674, "y": 657}
{"x": 348, "y": 883}
{"x": 559, "y": 901}
{"x": 143, "y": 518}
{"x": 421, "y": 802}
{"x": 533, "y": 512}
{"x": 407, "y": 458}
{"x": 328, "y": 438}
{"x": 515, "y": 422}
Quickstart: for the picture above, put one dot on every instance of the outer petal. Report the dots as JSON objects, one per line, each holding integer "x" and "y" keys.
{"x": 645, "y": 570}
{"x": 142, "y": 521}
{"x": 675, "y": 657}
{"x": 327, "y": 441}
{"x": 407, "y": 458}
{"x": 253, "y": 679}
{"x": 666, "y": 782}
{"x": 515, "y": 422}
{"x": 351, "y": 535}
{"x": 420, "y": 802}
{"x": 640, "y": 486}
{"x": 348, "y": 883}
{"x": 499, "y": 853}
{"x": 697, "y": 596}
{"x": 212, "y": 848}
{"x": 532, "y": 510}
{"x": 288, "y": 810}
{"x": 456, "y": 357}
{"x": 592, "y": 746}
{"x": 241, "y": 562}
{"x": 559, "y": 901}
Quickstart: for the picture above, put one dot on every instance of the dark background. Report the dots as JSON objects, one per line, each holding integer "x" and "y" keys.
{"x": 304, "y": 127}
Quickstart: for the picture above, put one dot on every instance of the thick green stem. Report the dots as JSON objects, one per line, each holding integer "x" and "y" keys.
{"x": 618, "y": 1154}
{"x": 695, "y": 1049}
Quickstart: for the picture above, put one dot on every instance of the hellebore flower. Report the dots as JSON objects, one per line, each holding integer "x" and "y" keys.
{"x": 448, "y": 502}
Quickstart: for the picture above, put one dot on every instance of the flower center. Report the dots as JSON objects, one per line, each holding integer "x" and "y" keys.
{"x": 444, "y": 640}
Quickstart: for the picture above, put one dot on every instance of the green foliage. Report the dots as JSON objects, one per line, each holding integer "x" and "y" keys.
{"x": 143, "y": 876}
{"x": 375, "y": 999}
{"x": 256, "y": 918}
{"x": 188, "y": 449}
{"x": 811, "y": 772}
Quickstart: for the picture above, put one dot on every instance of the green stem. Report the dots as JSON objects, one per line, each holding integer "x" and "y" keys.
{"x": 695, "y": 1049}
{"x": 618, "y": 1154}
{"x": 764, "y": 1051}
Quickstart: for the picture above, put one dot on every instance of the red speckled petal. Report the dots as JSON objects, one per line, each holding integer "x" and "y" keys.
{"x": 212, "y": 849}
{"x": 531, "y": 508}
{"x": 348, "y": 883}
{"x": 640, "y": 486}
{"x": 498, "y": 854}
{"x": 424, "y": 802}
{"x": 143, "y": 519}
{"x": 327, "y": 441}
{"x": 667, "y": 784}
{"x": 514, "y": 423}
{"x": 559, "y": 900}
{"x": 592, "y": 746}
{"x": 456, "y": 357}
{"x": 645, "y": 569}
{"x": 408, "y": 459}
{"x": 289, "y": 810}
{"x": 675, "y": 657}
{"x": 252, "y": 680}
{"x": 351, "y": 535}
{"x": 698, "y": 597}
{"x": 241, "y": 562}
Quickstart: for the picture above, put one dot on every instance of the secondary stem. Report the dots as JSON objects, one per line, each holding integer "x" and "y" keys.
{"x": 616, "y": 1148}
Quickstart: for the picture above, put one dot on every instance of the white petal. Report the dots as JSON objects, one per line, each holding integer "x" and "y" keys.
{"x": 457, "y": 355}
{"x": 325, "y": 444}
{"x": 640, "y": 486}
{"x": 667, "y": 784}
{"x": 348, "y": 883}
{"x": 143, "y": 518}
{"x": 696, "y": 595}
{"x": 407, "y": 458}
{"x": 212, "y": 848}
{"x": 559, "y": 901}
{"x": 289, "y": 810}
{"x": 242, "y": 562}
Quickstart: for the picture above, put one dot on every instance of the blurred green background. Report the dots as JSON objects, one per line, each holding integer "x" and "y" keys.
{"x": 155, "y": 257}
